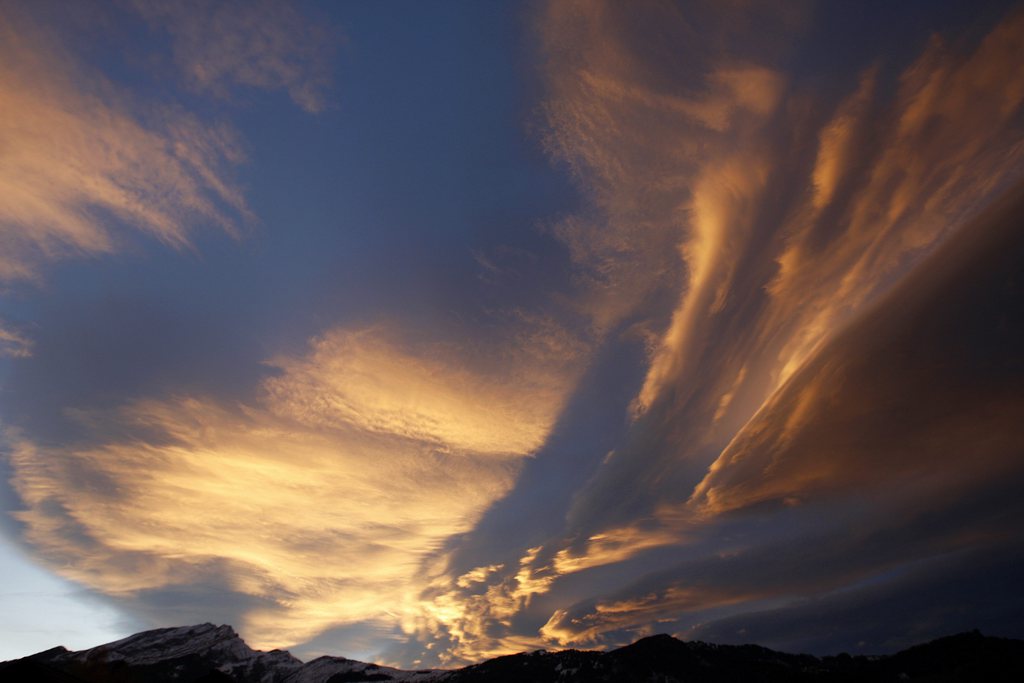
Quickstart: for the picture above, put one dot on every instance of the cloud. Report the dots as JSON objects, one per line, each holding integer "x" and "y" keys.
{"x": 894, "y": 448}
{"x": 635, "y": 114}
{"x": 81, "y": 158}
{"x": 794, "y": 566}
{"x": 839, "y": 139}
{"x": 268, "y": 45}
{"x": 364, "y": 379}
{"x": 944, "y": 147}
{"x": 325, "y": 503}
{"x": 801, "y": 217}
{"x": 901, "y": 611}
{"x": 327, "y": 499}
{"x": 824, "y": 401}
{"x": 768, "y": 217}
{"x": 904, "y": 393}
{"x": 13, "y": 343}
{"x": 459, "y": 613}
{"x": 86, "y": 164}
{"x": 724, "y": 197}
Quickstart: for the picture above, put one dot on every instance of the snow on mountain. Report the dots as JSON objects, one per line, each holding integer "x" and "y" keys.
{"x": 177, "y": 653}
{"x": 150, "y": 647}
{"x": 176, "y": 650}
{"x": 216, "y": 654}
{"x": 324, "y": 669}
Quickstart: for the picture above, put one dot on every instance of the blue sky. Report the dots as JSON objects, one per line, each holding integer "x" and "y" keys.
{"x": 425, "y": 332}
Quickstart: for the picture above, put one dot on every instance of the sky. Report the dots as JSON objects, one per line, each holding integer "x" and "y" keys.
{"x": 422, "y": 333}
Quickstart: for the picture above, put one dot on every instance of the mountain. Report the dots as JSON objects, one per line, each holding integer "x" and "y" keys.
{"x": 216, "y": 654}
{"x": 190, "y": 654}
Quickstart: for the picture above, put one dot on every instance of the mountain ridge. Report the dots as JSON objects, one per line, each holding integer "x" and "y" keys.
{"x": 207, "y": 653}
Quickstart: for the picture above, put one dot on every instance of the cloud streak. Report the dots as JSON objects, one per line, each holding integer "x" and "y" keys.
{"x": 891, "y": 450}
{"x": 266, "y": 45}
{"x": 813, "y": 289}
{"x": 13, "y": 343}
{"x": 902, "y": 394}
{"x": 777, "y": 261}
{"x": 774, "y": 219}
{"x": 79, "y": 157}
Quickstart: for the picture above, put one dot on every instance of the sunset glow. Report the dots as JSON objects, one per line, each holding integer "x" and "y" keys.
{"x": 429, "y": 332}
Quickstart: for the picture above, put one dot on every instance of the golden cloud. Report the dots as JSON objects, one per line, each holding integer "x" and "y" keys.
{"x": 465, "y": 610}
{"x": 366, "y": 380}
{"x": 776, "y": 224}
{"x": 78, "y": 153}
{"x": 328, "y": 501}
{"x": 945, "y": 147}
{"x": 724, "y": 200}
{"x": 903, "y": 395}
{"x": 634, "y": 614}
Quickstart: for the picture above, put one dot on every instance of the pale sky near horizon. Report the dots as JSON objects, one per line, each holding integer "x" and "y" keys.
{"x": 426, "y": 332}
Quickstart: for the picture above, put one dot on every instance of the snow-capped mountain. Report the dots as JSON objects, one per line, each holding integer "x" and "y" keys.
{"x": 175, "y": 654}
{"x": 180, "y": 647}
{"x": 216, "y": 654}
{"x": 209, "y": 652}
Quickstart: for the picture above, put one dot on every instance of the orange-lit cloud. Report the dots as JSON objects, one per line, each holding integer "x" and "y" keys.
{"x": 724, "y": 197}
{"x": 912, "y": 407}
{"x": 944, "y": 145}
{"x": 636, "y": 120}
{"x": 903, "y": 395}
{"x": 771, "y": 223}
{"x": 79, "y": 156}
{"x": 611, "y": 546}
{"x": 839, "y": 139}
{"x": 782, "y": 253}
{"x": 463, "y": 611}
{"x": 327, "y": 500}
{"x": 780, "y": 242}
{"x": 636, "y": 614}
{"x": 365, "y": 380}
{"x": 474, "y": 612}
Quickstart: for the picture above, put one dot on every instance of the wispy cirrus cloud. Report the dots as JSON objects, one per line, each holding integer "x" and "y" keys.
{"x": 357, "y": 461}
{"x": 83, "y": 161}
{"x": 13, "y": 343}
{"x": 911, "y": 407}
{"x": 635, "y": 120}
{"x": 86, "y": 163}
{"x": 773, "y": 218}
{"x": 946, "y": 146}
{"x": 751, "y": 311}
{"x": 902, "y": 394}
{"x": 267, "y": 45}
{"x": 780, "y": 250}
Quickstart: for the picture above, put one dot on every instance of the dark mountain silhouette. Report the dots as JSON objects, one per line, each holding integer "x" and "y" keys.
{"x": 216, "y": 654}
